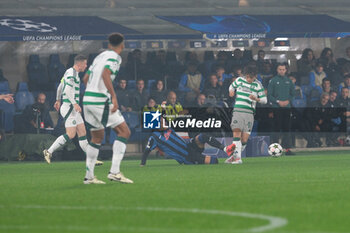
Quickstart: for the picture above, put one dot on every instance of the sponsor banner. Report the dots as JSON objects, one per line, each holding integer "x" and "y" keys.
{"x": 58, "y": 28}
{"x": 209, "y": 119}
{"x": 218, "y": 120}
{"x": 263, "y": 26}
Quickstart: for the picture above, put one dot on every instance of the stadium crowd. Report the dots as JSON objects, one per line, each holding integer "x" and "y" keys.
{"x": 319, "y": 103}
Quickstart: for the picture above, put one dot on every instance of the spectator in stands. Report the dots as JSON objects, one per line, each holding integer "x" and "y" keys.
{"x": 344, "y": 108}
{"x": 306, "y": 63}
{"x": 281, "y": 94}
{"x": 237, "y": 59}
{"x": 266, "y": 74}
{"x": 346, "y": 83}
{"x": 212, "y": 88}
{"x": 328, "y": 60}
{"x": 237, "y": 72}
{"x": 135, "y": 68}
{"x": 191, "y": 82}
{"x": 326, "y": 85}
{"x": 221, "y": 60}
{"x": 317, "y": 75}
{"x": 36, "y": 116}
{"x": 200, "y": 100}
{"x": 159, "y": 94}
{"x": 151, "y": 106}
{"x": 123, "y": 96}
{"x": 333, "y": 99}
{"x": 191, "y": 57}
{"x": 297, "y": 90}
{"x": 320, "y": 116}
{"x": 221, "y": 75}
{"x": 172, "y": 107}
{"x": 139, "y": 97}
{"x": 247, "y": 58}
{"x": 260, "y": 61}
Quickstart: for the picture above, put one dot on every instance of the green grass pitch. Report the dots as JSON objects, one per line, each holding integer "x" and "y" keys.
{"x": 299, "y": 193}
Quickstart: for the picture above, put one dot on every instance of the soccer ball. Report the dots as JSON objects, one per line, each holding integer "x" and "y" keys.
{"x": 347, "y": 140}
{"x": 275, "y": 150}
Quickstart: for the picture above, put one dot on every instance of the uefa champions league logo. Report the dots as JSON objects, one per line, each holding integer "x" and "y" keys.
{"x": 27, "y": 25}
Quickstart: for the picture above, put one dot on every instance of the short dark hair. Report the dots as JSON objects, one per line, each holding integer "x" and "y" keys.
{"x": 325, "y": 80}
{"x": 140, "y": 79}
{"x": 281, "y": 64}
{"x": 115, "y": 39}
{"x": 79, "y": 57}
{"x": 251, "y": 70}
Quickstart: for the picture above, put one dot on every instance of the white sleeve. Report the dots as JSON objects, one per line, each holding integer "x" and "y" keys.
{"x": 263, "y": 100}
{"x": 59, "y": 91}
{"x": 69, "y": 90}
{"x": 231, "y": 88}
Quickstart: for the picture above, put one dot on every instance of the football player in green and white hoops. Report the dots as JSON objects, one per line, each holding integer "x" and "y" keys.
{"x": 101, "y": 110}
{"x": 70, "y": 109}
{"x": 248, "y": 92}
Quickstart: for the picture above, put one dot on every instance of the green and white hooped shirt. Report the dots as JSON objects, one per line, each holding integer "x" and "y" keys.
{"x": 243, "y": 90}
{"x": 96, "y": 92}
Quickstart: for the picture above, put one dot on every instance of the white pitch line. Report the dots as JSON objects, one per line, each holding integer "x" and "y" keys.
{"x": 274, "y": 222}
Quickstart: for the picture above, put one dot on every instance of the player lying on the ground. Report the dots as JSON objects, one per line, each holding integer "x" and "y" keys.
{"x": 248, "y": 92}
{"x": 70, "y": 109}
{"x": 188, "y": 151}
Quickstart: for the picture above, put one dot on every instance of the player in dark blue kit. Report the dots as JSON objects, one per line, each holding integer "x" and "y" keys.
{"x": 184, "y": 151}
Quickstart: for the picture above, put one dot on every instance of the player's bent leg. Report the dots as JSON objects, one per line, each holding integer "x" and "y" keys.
{"x": 83, "y": 142}
{"x": 119, "y": 147}
{"x": 204, "y": 138}
{"x": 236, "y": 157}
{"x": 58, "y": 143}
{"x": 81, "y": 131}
{"x": 92, "y": 153}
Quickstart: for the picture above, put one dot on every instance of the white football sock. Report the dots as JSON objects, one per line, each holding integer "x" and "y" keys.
{"x": 119, "y": 148}
{"x": 83, "y": 143}
{"x": 238, "y": 151}
{"x": 244, "y": 146}
{"x": 91, "y": 157}
{"x": 60, "y": 141}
